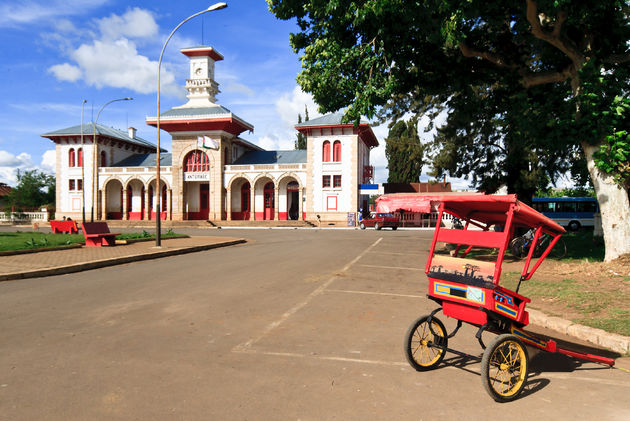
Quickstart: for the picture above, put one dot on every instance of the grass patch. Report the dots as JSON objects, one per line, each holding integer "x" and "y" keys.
{"x": 582, "y": 245}
{"x": 10, "y": 241}
{"x": 581, "y": 302}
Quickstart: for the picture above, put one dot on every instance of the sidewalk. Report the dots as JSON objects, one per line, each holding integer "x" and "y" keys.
{"x": 48, "y": 263}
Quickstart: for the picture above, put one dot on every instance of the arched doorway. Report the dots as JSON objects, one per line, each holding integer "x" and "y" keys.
{"x": 245, "y": 201}
{"x": 293, "y": 201}
{"x": 268, "y": 201}
{"x": 153, "y": 201}
{"x": 135, "y": 200}
{"x": 114, "y": 197}
{"x": 196, "y": 167}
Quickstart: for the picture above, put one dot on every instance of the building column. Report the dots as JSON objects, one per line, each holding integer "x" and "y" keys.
{"x": 276, "y": 196}
{"x": 147, "y": 208}
{"x": 103, "y": 195}
{"x": 228, "y": 205}
{"x": 301, "y": 214}
{"x": 125, "y": 214}
{"x": 169, "y": 204}
{"x": 252, "y": 202}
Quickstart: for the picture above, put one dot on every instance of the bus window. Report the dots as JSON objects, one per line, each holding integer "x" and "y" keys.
{"x": 587, "y": 207}
{"x": 566, "y": 207}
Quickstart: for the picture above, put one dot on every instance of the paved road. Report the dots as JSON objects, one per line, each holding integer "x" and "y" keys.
{"x": 296, "y": 324}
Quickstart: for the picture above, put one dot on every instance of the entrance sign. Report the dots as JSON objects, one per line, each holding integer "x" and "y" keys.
{"x": 196, "y": 176}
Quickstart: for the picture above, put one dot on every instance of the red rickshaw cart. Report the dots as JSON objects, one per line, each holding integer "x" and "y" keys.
{"x": 468, "y": 290}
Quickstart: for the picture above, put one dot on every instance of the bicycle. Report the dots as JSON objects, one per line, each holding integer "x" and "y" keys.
{"x": 519, "y": 246}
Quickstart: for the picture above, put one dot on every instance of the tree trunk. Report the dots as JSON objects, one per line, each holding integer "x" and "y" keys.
{"x": 614, "y": 208}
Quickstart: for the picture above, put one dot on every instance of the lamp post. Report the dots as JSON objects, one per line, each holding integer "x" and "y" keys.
{"x": 82, "y": 167}
{"x": 158, "y": 191}
{"x": 95, "y": 156}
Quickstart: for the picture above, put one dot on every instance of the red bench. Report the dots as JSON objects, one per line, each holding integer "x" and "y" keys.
{"x": 97, "y": 233}
{"x": 64, "y": 226}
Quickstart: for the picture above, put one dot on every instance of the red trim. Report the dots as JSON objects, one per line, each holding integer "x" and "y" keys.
{"x": 331, "y": 208}
{"x": 202, "y": 52}
{"x": 282, "y": 216}
{"x": 227, "y": 124}
{"x": 135, "y": 216}
{"x": 365, "y": 131}
{"x": 259, "y": 216}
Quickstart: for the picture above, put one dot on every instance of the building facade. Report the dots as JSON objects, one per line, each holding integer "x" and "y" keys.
{"x": 212, "y": 173}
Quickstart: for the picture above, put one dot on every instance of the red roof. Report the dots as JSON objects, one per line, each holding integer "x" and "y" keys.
{"x": 4, "y": 189}
{"x": 488, "y": 209}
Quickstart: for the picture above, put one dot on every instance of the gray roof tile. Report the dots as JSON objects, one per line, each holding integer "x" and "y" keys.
{"x": 272, "y": 157}
{"x": 100, "y": 130}
{"x": 145, "y": 160}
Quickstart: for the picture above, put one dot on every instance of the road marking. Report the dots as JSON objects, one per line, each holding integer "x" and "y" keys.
{"x": 389, "y": 294}
{"x": 323, "y": 357}
{"x": 475, "y": 370}
{"x": 390, "y": 267}
{"x": 397, "y": 254}
{"x": 244, "y": 346}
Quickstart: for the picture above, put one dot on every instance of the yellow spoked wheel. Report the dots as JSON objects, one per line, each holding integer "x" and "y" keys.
{"x": 424, "y": 348}
{"x": 504, "y": 368}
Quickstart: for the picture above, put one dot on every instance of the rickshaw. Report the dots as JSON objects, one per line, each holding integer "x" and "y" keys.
{"x": 468, "y": 290}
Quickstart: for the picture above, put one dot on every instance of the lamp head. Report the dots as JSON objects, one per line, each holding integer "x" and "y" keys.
{"x": 217, "y": 6}
{"x": 128, "y": 98}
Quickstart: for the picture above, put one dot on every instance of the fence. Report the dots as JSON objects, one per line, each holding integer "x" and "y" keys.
{"x": 14, "y": 217}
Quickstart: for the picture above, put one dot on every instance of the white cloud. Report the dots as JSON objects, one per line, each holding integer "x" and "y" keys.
{"x": 66, "y": 72}
{"x": 113, "y": 60}
{"x": 49, "y": 161}
{"x": 16, "y": 13}
{"x": 135, "y": 23}
{"x": 10, "y": 164}
{"x": 118, "y": 64}
{"x": 292, "y": 103}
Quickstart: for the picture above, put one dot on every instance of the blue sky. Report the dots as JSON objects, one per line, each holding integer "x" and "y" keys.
{"x": 56, "y": 53}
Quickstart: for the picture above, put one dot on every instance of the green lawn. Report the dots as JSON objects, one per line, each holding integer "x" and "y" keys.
{"x": 37, "y": 240}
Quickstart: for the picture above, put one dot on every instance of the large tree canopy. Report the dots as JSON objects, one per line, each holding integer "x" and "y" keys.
{"x": 563, "y": 64}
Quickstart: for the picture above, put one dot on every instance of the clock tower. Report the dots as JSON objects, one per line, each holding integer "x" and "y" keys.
{"x": 201, "y": 86}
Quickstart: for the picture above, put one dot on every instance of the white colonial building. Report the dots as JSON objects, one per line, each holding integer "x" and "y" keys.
{"x": 212, "y": 173}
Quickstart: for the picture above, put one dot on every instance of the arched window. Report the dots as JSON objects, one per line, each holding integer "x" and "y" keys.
{"x": 337, "y": 151}
{"x": 326, "y": 152}
{"x": 196, "y": 161}
{"x": 80, "y": 157}
{"x": 71, "y": 158}
{"x": 103, "y": 159}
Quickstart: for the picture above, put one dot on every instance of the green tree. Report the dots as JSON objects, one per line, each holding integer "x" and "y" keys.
{"x": 410, "y": 56}
{"x": 300, "y": 141}
{"x": 34, "y": 189}
{"x": 404, "y": 152}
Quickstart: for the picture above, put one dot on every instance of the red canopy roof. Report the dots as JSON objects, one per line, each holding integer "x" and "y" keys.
{"x": 487, "y": 209}
{"x": 492, "y": 209}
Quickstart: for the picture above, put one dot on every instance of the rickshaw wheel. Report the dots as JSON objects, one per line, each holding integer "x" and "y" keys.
{"x": 425, "y": 349}
{"x": 504, "y": 368}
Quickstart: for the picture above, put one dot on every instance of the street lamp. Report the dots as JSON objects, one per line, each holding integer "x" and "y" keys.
{"x": 82, "y": 167}
{"x": 95, "y": 156}
{"x": 158, "y": 191}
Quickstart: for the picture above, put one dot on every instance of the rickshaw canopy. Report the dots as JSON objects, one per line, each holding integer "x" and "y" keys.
{"x": 493, "y": 210}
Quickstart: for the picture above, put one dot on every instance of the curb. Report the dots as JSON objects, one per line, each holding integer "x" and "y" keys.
{"x": 115, "y": 261}
{"x": 612, "y": 341}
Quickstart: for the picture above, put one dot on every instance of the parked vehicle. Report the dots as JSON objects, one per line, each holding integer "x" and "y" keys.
{"x": 379, "y": 221}
{"x": 571, "y": 212}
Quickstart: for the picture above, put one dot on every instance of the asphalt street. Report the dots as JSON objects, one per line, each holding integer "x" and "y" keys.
{"x": 293, "y": 325}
